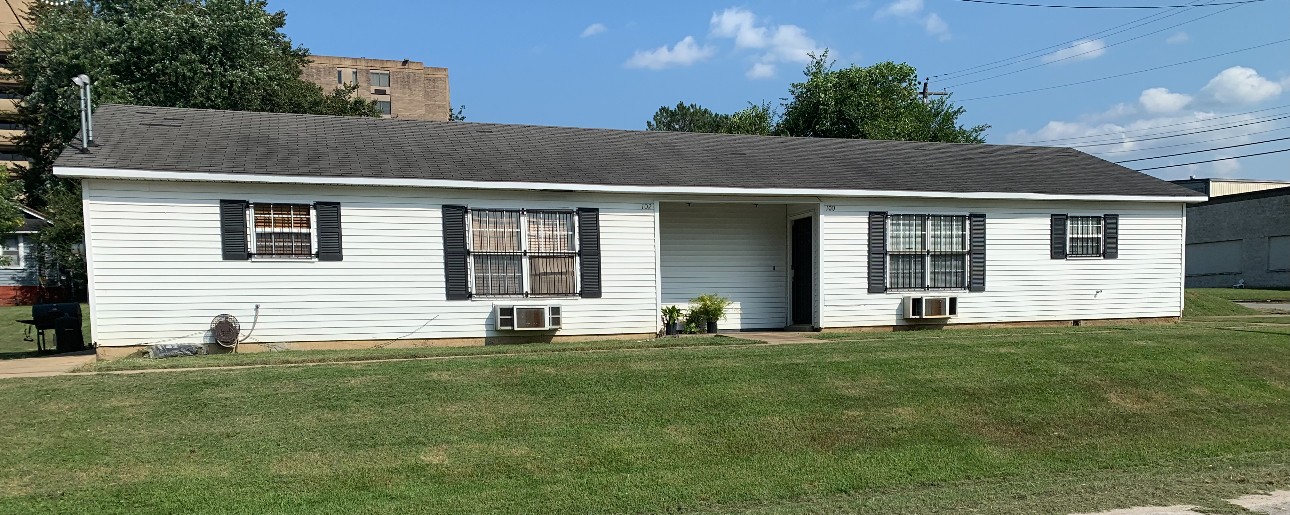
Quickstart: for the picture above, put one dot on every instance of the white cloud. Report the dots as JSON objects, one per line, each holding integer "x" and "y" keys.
{"x": 761, "y": 71}
{"x": 912, "y": 10}
{"x": 1161, "y": 100}
{"x": 1178, "y": 38}
{"x": 684, "y": 53}
{"x": 775, "y": 43}
{"x": 901, "y": 9}
{"x": 740, "y": 24}
{"x": 1081, "y": 50}
{"x": 1114, "y": 112}
{"x": 1228, "y": 168}
{"x": 1241, "y": 85}
{"x": 593, "y": 29}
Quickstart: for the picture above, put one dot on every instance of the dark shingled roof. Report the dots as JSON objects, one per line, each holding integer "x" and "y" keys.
{"x": 195, "y": 140}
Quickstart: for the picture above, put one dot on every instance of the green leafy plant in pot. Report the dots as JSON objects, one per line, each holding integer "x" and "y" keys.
{"x": 711, "y": 307}
{"x": 672, "y": 323}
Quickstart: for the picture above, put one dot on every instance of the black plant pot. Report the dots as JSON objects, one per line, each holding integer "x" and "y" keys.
{"x": 712, "y": 327}
{"x": 672, "y": 329}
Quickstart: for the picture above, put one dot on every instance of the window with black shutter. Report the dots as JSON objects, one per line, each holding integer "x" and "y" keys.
{"x": 521, "y": 252}
{"x": 278, "y": 230}
{"x": 1085, "y": 236}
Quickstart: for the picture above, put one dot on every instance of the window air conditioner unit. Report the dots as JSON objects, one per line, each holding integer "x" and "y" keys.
{"x": 527, "y": 318}
{"x": 931, "y": 308}
{"x": 380, "y": 91}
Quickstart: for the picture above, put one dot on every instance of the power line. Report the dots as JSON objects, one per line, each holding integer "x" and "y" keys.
{"x": 1154, "y": 128}
{"x": 1127, "y": 73}
{"x": 1215, "y": 160}
{"x": 1121, "y": 142}
{"x": 1104, "y": 152}
{"x": 1011, "y": 4}
{"x": 1182, "y": 132}
{"x": 1135, "y": 23}
{"x": 1199, "y": 151}
{"x": 1098, "y": 49}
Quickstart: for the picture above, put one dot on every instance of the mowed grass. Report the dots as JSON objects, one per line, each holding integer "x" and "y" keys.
{"x": 1246, "y": 294}
{"x": 1210, "y": 302}
{"x": 12, "y": 344}
{"x": 1034, "y": 421}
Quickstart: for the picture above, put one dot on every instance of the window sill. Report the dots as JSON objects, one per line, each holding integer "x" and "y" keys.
{"x": 931, "y": 292}
{"x": 284, "y": 259}
{"x": 521, "y": 299}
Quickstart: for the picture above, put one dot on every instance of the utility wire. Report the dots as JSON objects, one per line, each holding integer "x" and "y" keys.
{"x": 1204, "y": 150}
{"x": 1182, "y": 132}
{"x": 1135, "y": 23}
{"x": 1176, "y": 145}
{"x": 1126, "y": 74}
{"x": 1121, "y": 142}
{"x": 1215, "y": 160}
{"x": 1011, "y": 4}
{"x": 1154, "y": 128}
{"x": 1099, "y": 49}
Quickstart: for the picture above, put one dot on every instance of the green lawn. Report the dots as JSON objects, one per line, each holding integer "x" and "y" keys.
{"x": 1046, "y": 421}
{"x": 12, "y": 345}
{"x": 1246, "y": 294}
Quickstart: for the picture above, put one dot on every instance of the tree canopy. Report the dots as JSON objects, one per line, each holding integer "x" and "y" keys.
{"x": 212, "y": 54}
{"x": 881, "y": 101}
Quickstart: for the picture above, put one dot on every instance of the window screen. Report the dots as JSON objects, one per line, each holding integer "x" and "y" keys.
{"x": 1084, "y": 236}
{"x": 282, "y": 230}
{"x": 380, "y": 79}
{"x": 523, "y": 253}
{"x": 927, "y": 252}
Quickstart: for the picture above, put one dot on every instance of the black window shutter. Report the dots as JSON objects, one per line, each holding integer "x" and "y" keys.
{"x": 1111, "y": 234}
{"x": 877, "y": 252}
{"x": 232, "y": 227}
{"x": 589, "y": 252}
{"x": 976, "y": 281}
{"x": 1057, "y": 238}
{"x": 456, "y": 266}
{"x": 329, "y": 246}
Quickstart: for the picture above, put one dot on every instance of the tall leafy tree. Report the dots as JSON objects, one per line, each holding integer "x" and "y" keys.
{"x": 213, "y": 54}
{"x": 687, "y": 118}
{"x": 881, "y": 101}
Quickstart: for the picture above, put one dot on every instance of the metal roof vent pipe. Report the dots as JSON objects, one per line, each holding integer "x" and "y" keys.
{"x": 87, "y": 111}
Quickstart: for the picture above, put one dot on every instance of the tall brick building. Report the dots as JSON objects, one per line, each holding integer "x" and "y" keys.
{"x": 401, "y": 89}
{"x": 9, "y": 87}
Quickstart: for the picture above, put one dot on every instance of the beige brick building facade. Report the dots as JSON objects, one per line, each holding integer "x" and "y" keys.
{"x": 9, "y": 87}
{"x": 401, "y": 89}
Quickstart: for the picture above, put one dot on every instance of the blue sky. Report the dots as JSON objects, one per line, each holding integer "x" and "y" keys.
{"x": 612, "y": 64}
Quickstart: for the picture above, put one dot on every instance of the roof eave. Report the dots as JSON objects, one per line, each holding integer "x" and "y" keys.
{"x": 112, "y": 173}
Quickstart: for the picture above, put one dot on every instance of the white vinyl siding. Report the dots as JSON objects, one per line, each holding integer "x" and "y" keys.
{"x": 158, "y": 273}
{"x": 738, "y": 251}
{"x": 1022, "y": 282}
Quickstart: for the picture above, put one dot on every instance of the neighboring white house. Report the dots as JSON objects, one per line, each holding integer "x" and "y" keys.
{"x": 319, "y": 231}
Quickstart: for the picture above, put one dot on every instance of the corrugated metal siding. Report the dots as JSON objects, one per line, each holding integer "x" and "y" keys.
{"x": 1022, "y": 282}
{"x": 735, "y": 250}
{"x": 1219, "y": 188}
{"x": 157, "y": 270}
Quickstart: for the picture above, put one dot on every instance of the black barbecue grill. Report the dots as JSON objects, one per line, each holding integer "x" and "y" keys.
{"x": 64, "y": 319}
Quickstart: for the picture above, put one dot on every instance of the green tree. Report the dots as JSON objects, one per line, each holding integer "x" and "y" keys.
{"x": 881, "y": 101}
{"x": 211, "y": 54}
{"x": 687, "y": 118}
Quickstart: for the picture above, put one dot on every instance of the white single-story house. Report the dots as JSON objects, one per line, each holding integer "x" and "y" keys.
{"x": 318, "y": 231}
{"x": 20, "y": 272}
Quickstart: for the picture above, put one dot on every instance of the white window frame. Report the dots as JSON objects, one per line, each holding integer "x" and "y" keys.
{"x": 525, "y": 267}
{"x": 1101, "y": 234}
{"x": 21, "y": 261}
{"x": 927, "y": 254}
{"x": 251, "y": 234}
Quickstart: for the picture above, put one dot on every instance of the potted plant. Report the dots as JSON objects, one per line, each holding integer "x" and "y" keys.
{"x": 696, "y": 320}
{"x": 672, "y": 320}
{"x": 712, "y": 307}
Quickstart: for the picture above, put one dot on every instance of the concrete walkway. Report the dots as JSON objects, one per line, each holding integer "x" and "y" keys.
{"x": 45, "y": 366}
{"x": 1272, "y": 503}
{"x": 781, "y": 337}
{"x": 1268, "y": 307}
